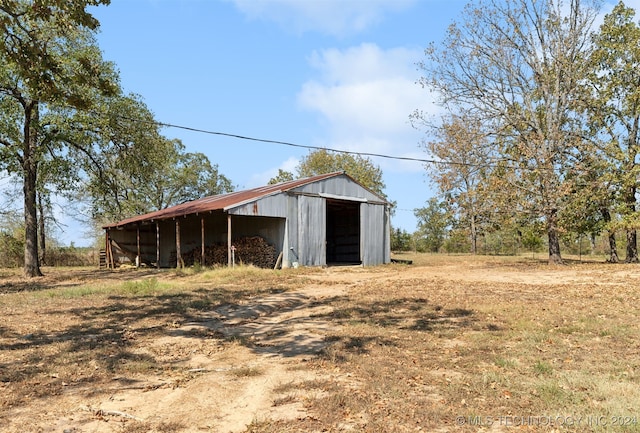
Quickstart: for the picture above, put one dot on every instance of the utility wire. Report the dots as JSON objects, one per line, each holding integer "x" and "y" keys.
{"x": 303, "y": 146}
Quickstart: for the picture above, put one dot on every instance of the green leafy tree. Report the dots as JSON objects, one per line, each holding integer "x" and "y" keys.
{"x": 152, "y": 174}
{"x": 11, "y": 239}
{"x": 360, "y": 168}
{"x": 282, "y": 176}
{"x": 516, "y": 66}
{"x": 457, "y": 240}
{"x": 49, "y": 65}
{"x": 191, "y": 177}
{"x": 434, "y": 221}
{"x": 530, "y": 238}
{"x": 128, "y": 149}
{"x": 589, "y": 205}
{"x": 400, "y": 240}
{"x": 613, "y": 104}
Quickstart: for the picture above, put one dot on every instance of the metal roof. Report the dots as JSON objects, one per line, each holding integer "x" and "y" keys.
{"x": 222, "y": 201}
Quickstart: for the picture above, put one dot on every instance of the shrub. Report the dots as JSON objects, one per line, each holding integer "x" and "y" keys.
{"x": 11, "y": 251}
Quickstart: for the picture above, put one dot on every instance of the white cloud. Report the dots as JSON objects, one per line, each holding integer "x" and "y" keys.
{"x": 333, "y": 17}
{"x": 365, "y": 95}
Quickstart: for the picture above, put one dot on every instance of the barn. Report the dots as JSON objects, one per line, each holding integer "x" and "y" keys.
{"x": 324, "y": 220}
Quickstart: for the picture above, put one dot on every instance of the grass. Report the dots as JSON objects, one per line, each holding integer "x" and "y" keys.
{"x": 411, "y": 348}
{"x": 246, "y": 372}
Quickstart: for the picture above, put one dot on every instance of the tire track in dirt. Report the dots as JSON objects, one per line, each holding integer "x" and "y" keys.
{"x": 228, "y": 389}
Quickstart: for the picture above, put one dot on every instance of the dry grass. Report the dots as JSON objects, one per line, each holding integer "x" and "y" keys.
{"x": 442, "y": 354}
{"x": 78, "y": 327}
{"x": 450, "y": 343}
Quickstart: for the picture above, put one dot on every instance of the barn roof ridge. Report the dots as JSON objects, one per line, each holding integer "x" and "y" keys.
{"x": 223, "y": 201}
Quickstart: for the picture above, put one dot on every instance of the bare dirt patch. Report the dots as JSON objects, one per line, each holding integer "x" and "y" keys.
{"x": 445, "y": 344}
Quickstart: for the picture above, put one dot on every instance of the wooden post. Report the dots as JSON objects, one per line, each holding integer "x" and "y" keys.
{"x": 202, "y": 235}
{"x": 112, "y": 262}
{"x": 107, "y": 241}
{"x": 138, "y": 242}
{"x": 229, "y": 240}
{"x": 278, "y": 261}
{"x": 158, "y": 244}
{"x": 178, "y": 252}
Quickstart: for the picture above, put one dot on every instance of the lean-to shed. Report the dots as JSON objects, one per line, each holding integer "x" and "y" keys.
{"x": 317, "y": 221}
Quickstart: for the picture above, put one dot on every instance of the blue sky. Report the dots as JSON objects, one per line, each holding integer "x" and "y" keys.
{"x": 327, "y": 73}
{"x": 339, "y": 74}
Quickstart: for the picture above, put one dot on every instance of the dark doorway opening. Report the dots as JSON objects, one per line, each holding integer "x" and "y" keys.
{"x": 343, "y": 232}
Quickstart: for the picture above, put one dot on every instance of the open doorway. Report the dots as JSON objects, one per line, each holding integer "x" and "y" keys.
{"x": 343, "y": 232}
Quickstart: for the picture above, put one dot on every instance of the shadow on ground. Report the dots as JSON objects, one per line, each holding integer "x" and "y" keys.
{"x": 90, "y": 344}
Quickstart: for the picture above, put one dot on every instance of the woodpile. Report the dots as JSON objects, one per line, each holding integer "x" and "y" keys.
{"x": 248, "y": 250}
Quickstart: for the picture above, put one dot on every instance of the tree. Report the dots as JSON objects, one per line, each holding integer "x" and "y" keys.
{"x": 516, "y": 65}
{"x": 590, "y": 204}
{"x": 433, "y": 223}
{"x": 464, "y": 152}
{"x": 282, "y": 176}
{"x": 400, "y": 240}
{"x": 191, "y": 177}
{"x": 141, "y": 171}
{"x": 48, "y": 62}
{"x": 129, "y": 149}
{"x": 530, "y": 238}
{"x": 361, "y": 169}
{"x": 613, "y": 104}
{"x": 11, "y": 239}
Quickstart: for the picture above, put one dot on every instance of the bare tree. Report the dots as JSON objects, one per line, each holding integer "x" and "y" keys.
{"x": 516, "y": 65}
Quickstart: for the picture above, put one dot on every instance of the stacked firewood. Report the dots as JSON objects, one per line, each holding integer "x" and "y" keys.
{"x": 248, "y": 250}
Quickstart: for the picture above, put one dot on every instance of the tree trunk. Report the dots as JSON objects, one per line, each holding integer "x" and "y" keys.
{"x": 632, "y": 246}
{"x": 613, "y": 248}
{"x": 632, "y": 237}
{"x": 41, "y": 232}
{"x": 30, "y": 175}
{"x": 474, "y": 236}
{"x": 554, "y": 238}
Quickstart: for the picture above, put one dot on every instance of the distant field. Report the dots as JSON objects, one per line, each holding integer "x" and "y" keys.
{"x": 447, "y": 344}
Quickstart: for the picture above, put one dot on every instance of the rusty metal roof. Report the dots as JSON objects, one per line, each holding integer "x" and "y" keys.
{"x": 222, "y": 201}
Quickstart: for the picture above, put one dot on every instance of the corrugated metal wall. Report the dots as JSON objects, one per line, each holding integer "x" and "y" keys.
{"x": 339, "y": 186}
{"x": 312, "y": 214}
{"x": 372, "y": 234}
{"x": 272, "y": 206}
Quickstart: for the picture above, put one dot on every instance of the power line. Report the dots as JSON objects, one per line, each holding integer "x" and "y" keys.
{"x": 303, "y": 146}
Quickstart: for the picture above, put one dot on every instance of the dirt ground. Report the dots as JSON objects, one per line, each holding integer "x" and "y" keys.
{"x": 221, "y": 384}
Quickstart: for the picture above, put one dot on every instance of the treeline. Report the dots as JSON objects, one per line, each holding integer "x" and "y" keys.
{"x": 12, "y": 254}
{"x": 507, "y": 242}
